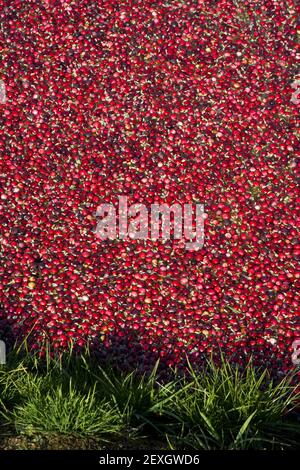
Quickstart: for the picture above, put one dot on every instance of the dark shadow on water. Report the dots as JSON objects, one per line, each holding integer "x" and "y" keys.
{"x": 124, "y": 350}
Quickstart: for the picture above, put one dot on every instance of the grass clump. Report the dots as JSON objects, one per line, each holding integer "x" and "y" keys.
{"x": 218, "y": 407}
{"x": 60, "y": 411}
{"x": 226, "y": 408}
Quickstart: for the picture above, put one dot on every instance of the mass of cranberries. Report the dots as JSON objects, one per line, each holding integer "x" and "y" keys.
{"x": 165, "y": 101}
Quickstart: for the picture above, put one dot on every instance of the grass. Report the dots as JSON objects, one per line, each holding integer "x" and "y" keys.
{"x": 72, "y": 401}
{"x": 62, "y": 411}
{"x": 225, "y": 408}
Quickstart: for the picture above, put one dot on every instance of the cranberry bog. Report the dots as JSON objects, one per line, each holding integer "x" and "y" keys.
{"x": 186, "y": 103}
